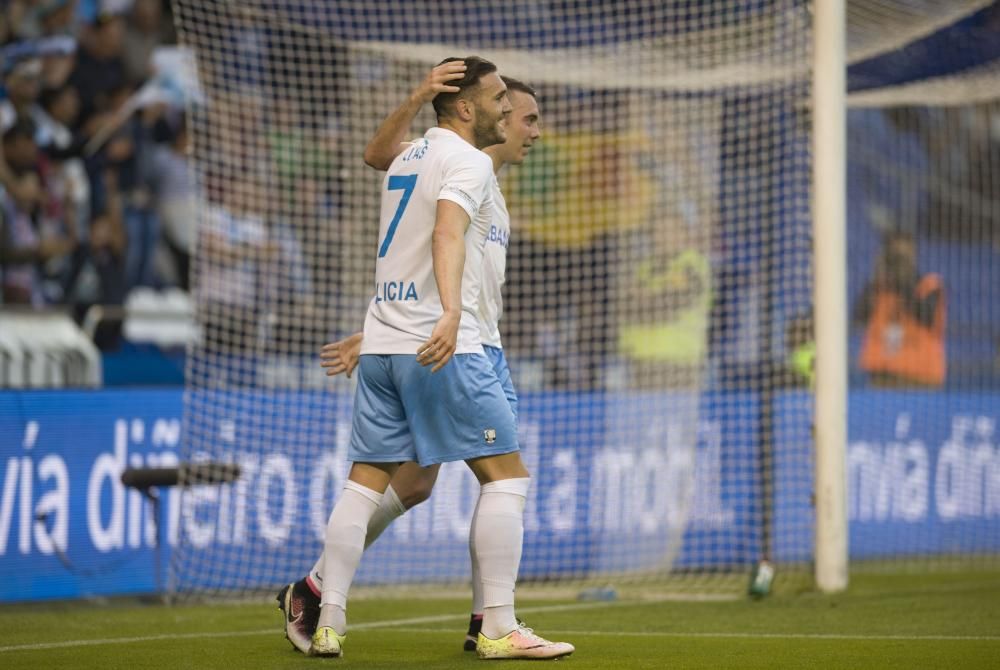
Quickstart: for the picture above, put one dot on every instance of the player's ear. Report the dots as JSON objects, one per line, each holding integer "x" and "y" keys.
{"x": 464, "y": 109}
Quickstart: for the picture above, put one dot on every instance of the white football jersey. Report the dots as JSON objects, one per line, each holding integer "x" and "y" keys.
{"x": 494, "y": 270}
{"x": 406, "y": 306}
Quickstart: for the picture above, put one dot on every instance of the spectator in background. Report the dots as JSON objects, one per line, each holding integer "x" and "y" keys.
{"x": 81, "y": 189}
{"x": 60, "y": 109}
{"x": 234, "y": 241}
{"x": 100, "y": 262}
{"x": 124, "y": 136}
{"x": 24, "y": 246}
{"x": 255, "y": 287}
{"x": 108, "y": 240}
{"x": 800, "y": 342}
{"x": 903, "y": 315}
{"x": 39, "y": 18}
{"x": 58, "y": 56}
{"x": 670, "y": 296}
{"x": 22, "y": 83}
{"x": 57, "y": 17}
{"x": 56, "y": 53}
{"x": 127, "y": 154}
{"x": 100, "y": 67}
{"x": 147, "y": 28}
{"x": 68, "y": 184}
{"x": 287, "y": 301}
{"x": 176, "y": 198}
{"x": 23, "y": 86}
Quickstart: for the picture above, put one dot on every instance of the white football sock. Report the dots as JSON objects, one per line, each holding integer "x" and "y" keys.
{"x": 477, "y": 577}
{"x": 388, "y": 510}
{"x": 343, "y": 545}
{"x": 499, "y": 534}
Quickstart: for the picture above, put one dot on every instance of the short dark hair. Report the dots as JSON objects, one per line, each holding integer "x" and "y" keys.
{"x": 475, "y": 69}
{"x": 518, "y": 85}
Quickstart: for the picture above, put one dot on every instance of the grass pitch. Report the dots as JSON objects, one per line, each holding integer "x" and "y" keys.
{"x": 943, "y": 620}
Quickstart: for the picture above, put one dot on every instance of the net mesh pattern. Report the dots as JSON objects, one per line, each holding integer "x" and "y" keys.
{"x": 658, "y": 283}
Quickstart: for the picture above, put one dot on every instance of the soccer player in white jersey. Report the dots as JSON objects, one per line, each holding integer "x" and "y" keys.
{"x": 445, "y": 403}
{"x": 412, "y": 484}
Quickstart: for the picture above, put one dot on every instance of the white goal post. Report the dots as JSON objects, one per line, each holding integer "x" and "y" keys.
{"x": 829, "y": 114}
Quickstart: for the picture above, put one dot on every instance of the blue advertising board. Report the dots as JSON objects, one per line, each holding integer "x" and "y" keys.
{"x": 622, "y": 482}
{"x": 923, "y": 473}
{"x": 68, "y": 528}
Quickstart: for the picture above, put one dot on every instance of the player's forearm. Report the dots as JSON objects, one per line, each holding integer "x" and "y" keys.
{"x": 449, "y": 264}
{"x": 383, "y": 148}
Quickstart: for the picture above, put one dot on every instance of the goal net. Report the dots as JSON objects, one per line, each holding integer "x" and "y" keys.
{"x": 658, "y": 291}
{"x": 923, "y": 461}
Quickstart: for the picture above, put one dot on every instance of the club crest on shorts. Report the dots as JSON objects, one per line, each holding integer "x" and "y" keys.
{"x": 490, "y": 435}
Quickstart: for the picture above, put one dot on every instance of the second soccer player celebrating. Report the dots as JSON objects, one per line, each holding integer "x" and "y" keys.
{"x": 429, "y": 414}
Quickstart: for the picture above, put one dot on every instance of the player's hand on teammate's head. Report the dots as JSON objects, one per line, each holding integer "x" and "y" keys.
{"x": 341, "y": 356}
{"x": 437, "y": 80}
{"x": 438, "y": 350}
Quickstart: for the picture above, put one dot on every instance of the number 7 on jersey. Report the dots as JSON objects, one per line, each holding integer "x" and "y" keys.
{"x": 406, "y": 184}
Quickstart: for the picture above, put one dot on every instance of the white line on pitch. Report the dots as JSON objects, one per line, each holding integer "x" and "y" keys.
{"x": 441, "y": 618}
{"x": 750, "y": 636}
{"x": 539, "y": 609}
{"x": 130, "y": 640}
{"x": 276, "y": 630}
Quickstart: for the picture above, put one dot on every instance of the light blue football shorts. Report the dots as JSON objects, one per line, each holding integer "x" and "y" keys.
{"x": 502, "y": 370}
{"x": 402, "y": 412}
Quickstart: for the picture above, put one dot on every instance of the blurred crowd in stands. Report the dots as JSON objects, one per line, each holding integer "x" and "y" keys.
{"x": 97, "y": 197}
{"x": 96, "y": 193}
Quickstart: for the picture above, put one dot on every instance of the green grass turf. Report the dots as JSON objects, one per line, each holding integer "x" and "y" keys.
{"x": 944, "y": 620}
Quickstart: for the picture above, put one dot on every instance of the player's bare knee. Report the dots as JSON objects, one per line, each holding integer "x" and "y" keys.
{"x": 420, "y": 492}
{"x": 375, "y": 476}
{"x": 494, "y": 468}
{"x": 413, "y": 484}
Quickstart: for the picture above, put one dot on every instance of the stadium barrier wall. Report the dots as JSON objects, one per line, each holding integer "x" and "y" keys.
{"x": 923, "y": 469}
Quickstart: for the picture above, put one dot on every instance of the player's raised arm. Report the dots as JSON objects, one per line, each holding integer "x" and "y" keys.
{"x": 448, "y": 250}
{"x": 389, "y": 139}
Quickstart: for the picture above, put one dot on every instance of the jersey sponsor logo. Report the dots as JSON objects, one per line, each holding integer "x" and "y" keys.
{"x": 499, "y": 236}
{"x": 393, "y": 291}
